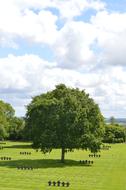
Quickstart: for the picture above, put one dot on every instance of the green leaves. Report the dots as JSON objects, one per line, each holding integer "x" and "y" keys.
{"x": 114, "y": 134}
{"x": 11, "y": 127}
{"x": 65, "y": 118}
{"x": 6, "y": 114}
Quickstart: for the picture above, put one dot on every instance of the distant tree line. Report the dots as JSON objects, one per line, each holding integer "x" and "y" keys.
{"x": 11, "y": 127}
{"x": 114, "y": 132}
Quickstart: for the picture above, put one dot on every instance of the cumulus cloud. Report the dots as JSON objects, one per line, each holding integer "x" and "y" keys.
{"x": 26, "y": 24}
{"x": 72, "y": 47}
{"x": 71, "y": 8}
{"x": 25, "y": 76}
{"x": 31, "y": 71}
{"x": 97, "y": 43}
{"x": 111, "y": 37}
{"x": 67, "y": 8}
{"x": 31, "y": 20}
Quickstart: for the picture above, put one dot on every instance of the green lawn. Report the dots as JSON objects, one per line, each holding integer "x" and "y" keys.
{"x": 107, "y": 172}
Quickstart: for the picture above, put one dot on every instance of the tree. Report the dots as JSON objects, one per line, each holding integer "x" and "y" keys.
{"x": 114, "y": 134}
{"x": 112, "y": 120}
{"x": 3, "y": 133}
{"x": 6, "y": 115}
{"x": 16, "y": 131}
{"x": 64, "y": 118}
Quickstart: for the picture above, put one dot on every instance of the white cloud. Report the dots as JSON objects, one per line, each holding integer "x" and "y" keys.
{"x": 33, "y": 73}
{"x": 100, "y": 42}
{"x": 32, "y": 21}
{"x": 67, "y": 8}
{"x": 35, "y": 27}
{"x": 71, "y": 8}
{"x": 72, "y": 48}
{"x": 111, "y": 37}
{"x": 25, "y": 76}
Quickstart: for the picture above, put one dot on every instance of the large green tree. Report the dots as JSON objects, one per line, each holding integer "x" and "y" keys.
{"x": 65, "y": 118}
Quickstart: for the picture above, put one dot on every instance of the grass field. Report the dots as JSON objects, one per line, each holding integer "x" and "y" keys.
{"x": 107, "y": 172}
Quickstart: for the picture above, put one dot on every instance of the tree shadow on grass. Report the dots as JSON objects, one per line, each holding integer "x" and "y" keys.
{"x": 27, "y": 146}
{"x": 40, "y": 163}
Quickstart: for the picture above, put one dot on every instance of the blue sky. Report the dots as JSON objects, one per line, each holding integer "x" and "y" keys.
{"x": 81, "y": 43}
{"x": 119, "y": 6}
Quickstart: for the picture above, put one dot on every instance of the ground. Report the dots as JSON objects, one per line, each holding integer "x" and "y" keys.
{"x": 107, "y": 172}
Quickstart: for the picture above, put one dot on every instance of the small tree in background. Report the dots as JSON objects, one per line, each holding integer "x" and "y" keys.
{"x": 65, "y": 118}
{"x": 3, "y": 133}
{"x": 114, "y": 134}
{"x": 16, "y": 130}
{"x": 6, "y": 115}
{"x": 112, "y": 120}
{"x": 11, "y": 127}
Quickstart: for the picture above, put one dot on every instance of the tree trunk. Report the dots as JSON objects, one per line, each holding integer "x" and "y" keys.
{"x": 62, "y": 155}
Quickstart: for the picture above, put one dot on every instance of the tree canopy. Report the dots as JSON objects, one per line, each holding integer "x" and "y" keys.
{"x": 6, "y": 115}
{"x": 64, "y": 118}
{"x": 17, "y": 129}
{"x": 11, "y": 127}
{"x": 114, "y": 133}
